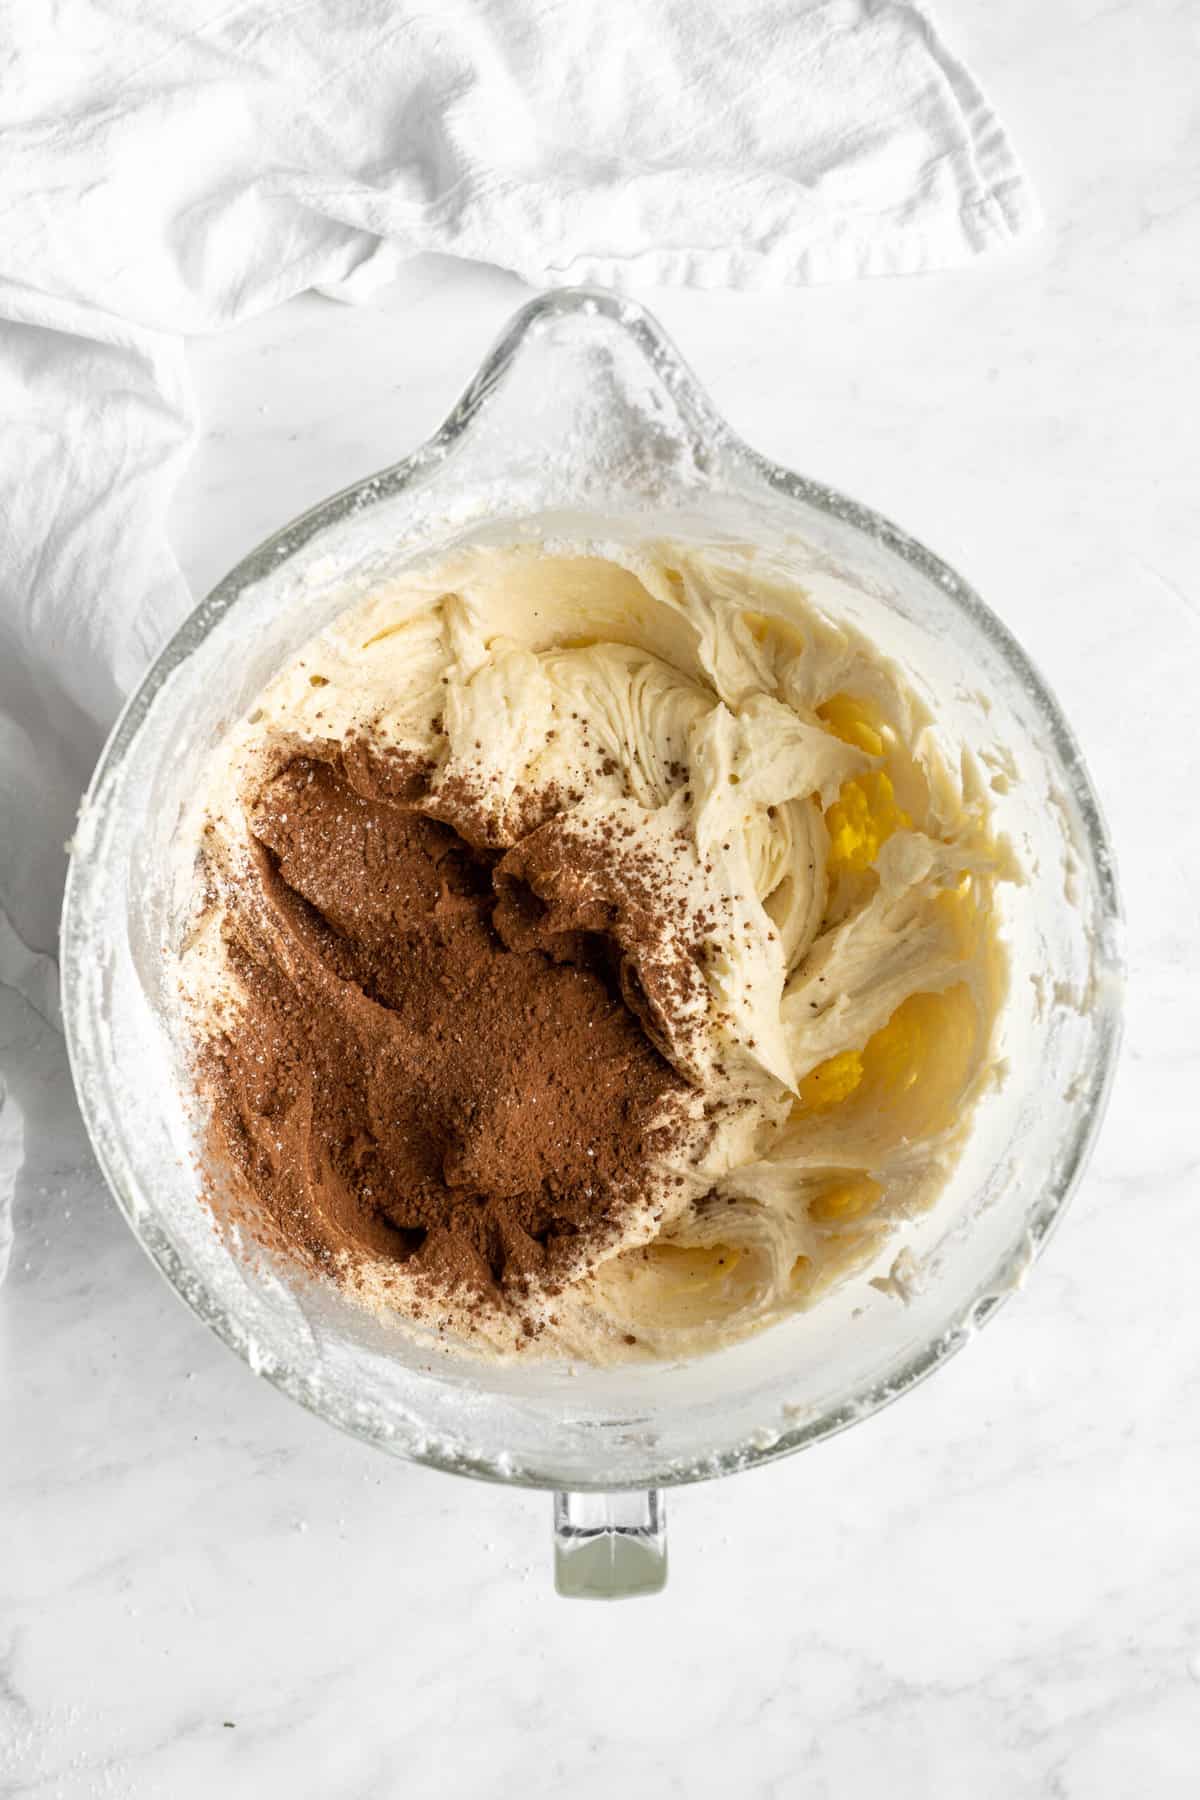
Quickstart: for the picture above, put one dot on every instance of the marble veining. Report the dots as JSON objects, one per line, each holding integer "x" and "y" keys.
{"x": 990, "y": 1588}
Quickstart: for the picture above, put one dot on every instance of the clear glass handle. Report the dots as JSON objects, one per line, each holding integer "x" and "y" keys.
{"x": 610, "y": 1546}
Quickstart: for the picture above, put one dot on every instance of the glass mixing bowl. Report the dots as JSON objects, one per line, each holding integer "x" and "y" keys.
{"x": 584, "y": 422}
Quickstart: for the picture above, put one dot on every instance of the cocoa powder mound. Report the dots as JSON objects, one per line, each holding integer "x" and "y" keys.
{"x": 411, "y": 1075}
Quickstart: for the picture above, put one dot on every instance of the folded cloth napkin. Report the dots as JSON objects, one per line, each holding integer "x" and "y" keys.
{"x": 172, "y": 169}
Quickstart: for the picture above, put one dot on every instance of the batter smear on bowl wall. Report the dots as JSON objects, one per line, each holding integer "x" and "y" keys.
{"x": 594, "y": 951}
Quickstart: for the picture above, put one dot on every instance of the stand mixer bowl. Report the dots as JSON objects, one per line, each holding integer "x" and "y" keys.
{"x": 581, "y": 423}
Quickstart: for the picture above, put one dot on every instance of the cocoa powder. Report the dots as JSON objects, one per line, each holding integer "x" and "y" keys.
{"x": 421, "y": 1071}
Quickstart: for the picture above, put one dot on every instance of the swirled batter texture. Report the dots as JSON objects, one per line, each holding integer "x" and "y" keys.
{"x": 592, "y": 953}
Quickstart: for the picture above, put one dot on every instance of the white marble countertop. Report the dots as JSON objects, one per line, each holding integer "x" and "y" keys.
{"x": 988, "y": 1590}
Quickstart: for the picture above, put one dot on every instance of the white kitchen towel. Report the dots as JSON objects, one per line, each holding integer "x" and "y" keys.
{"x": 171, "y": 169}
